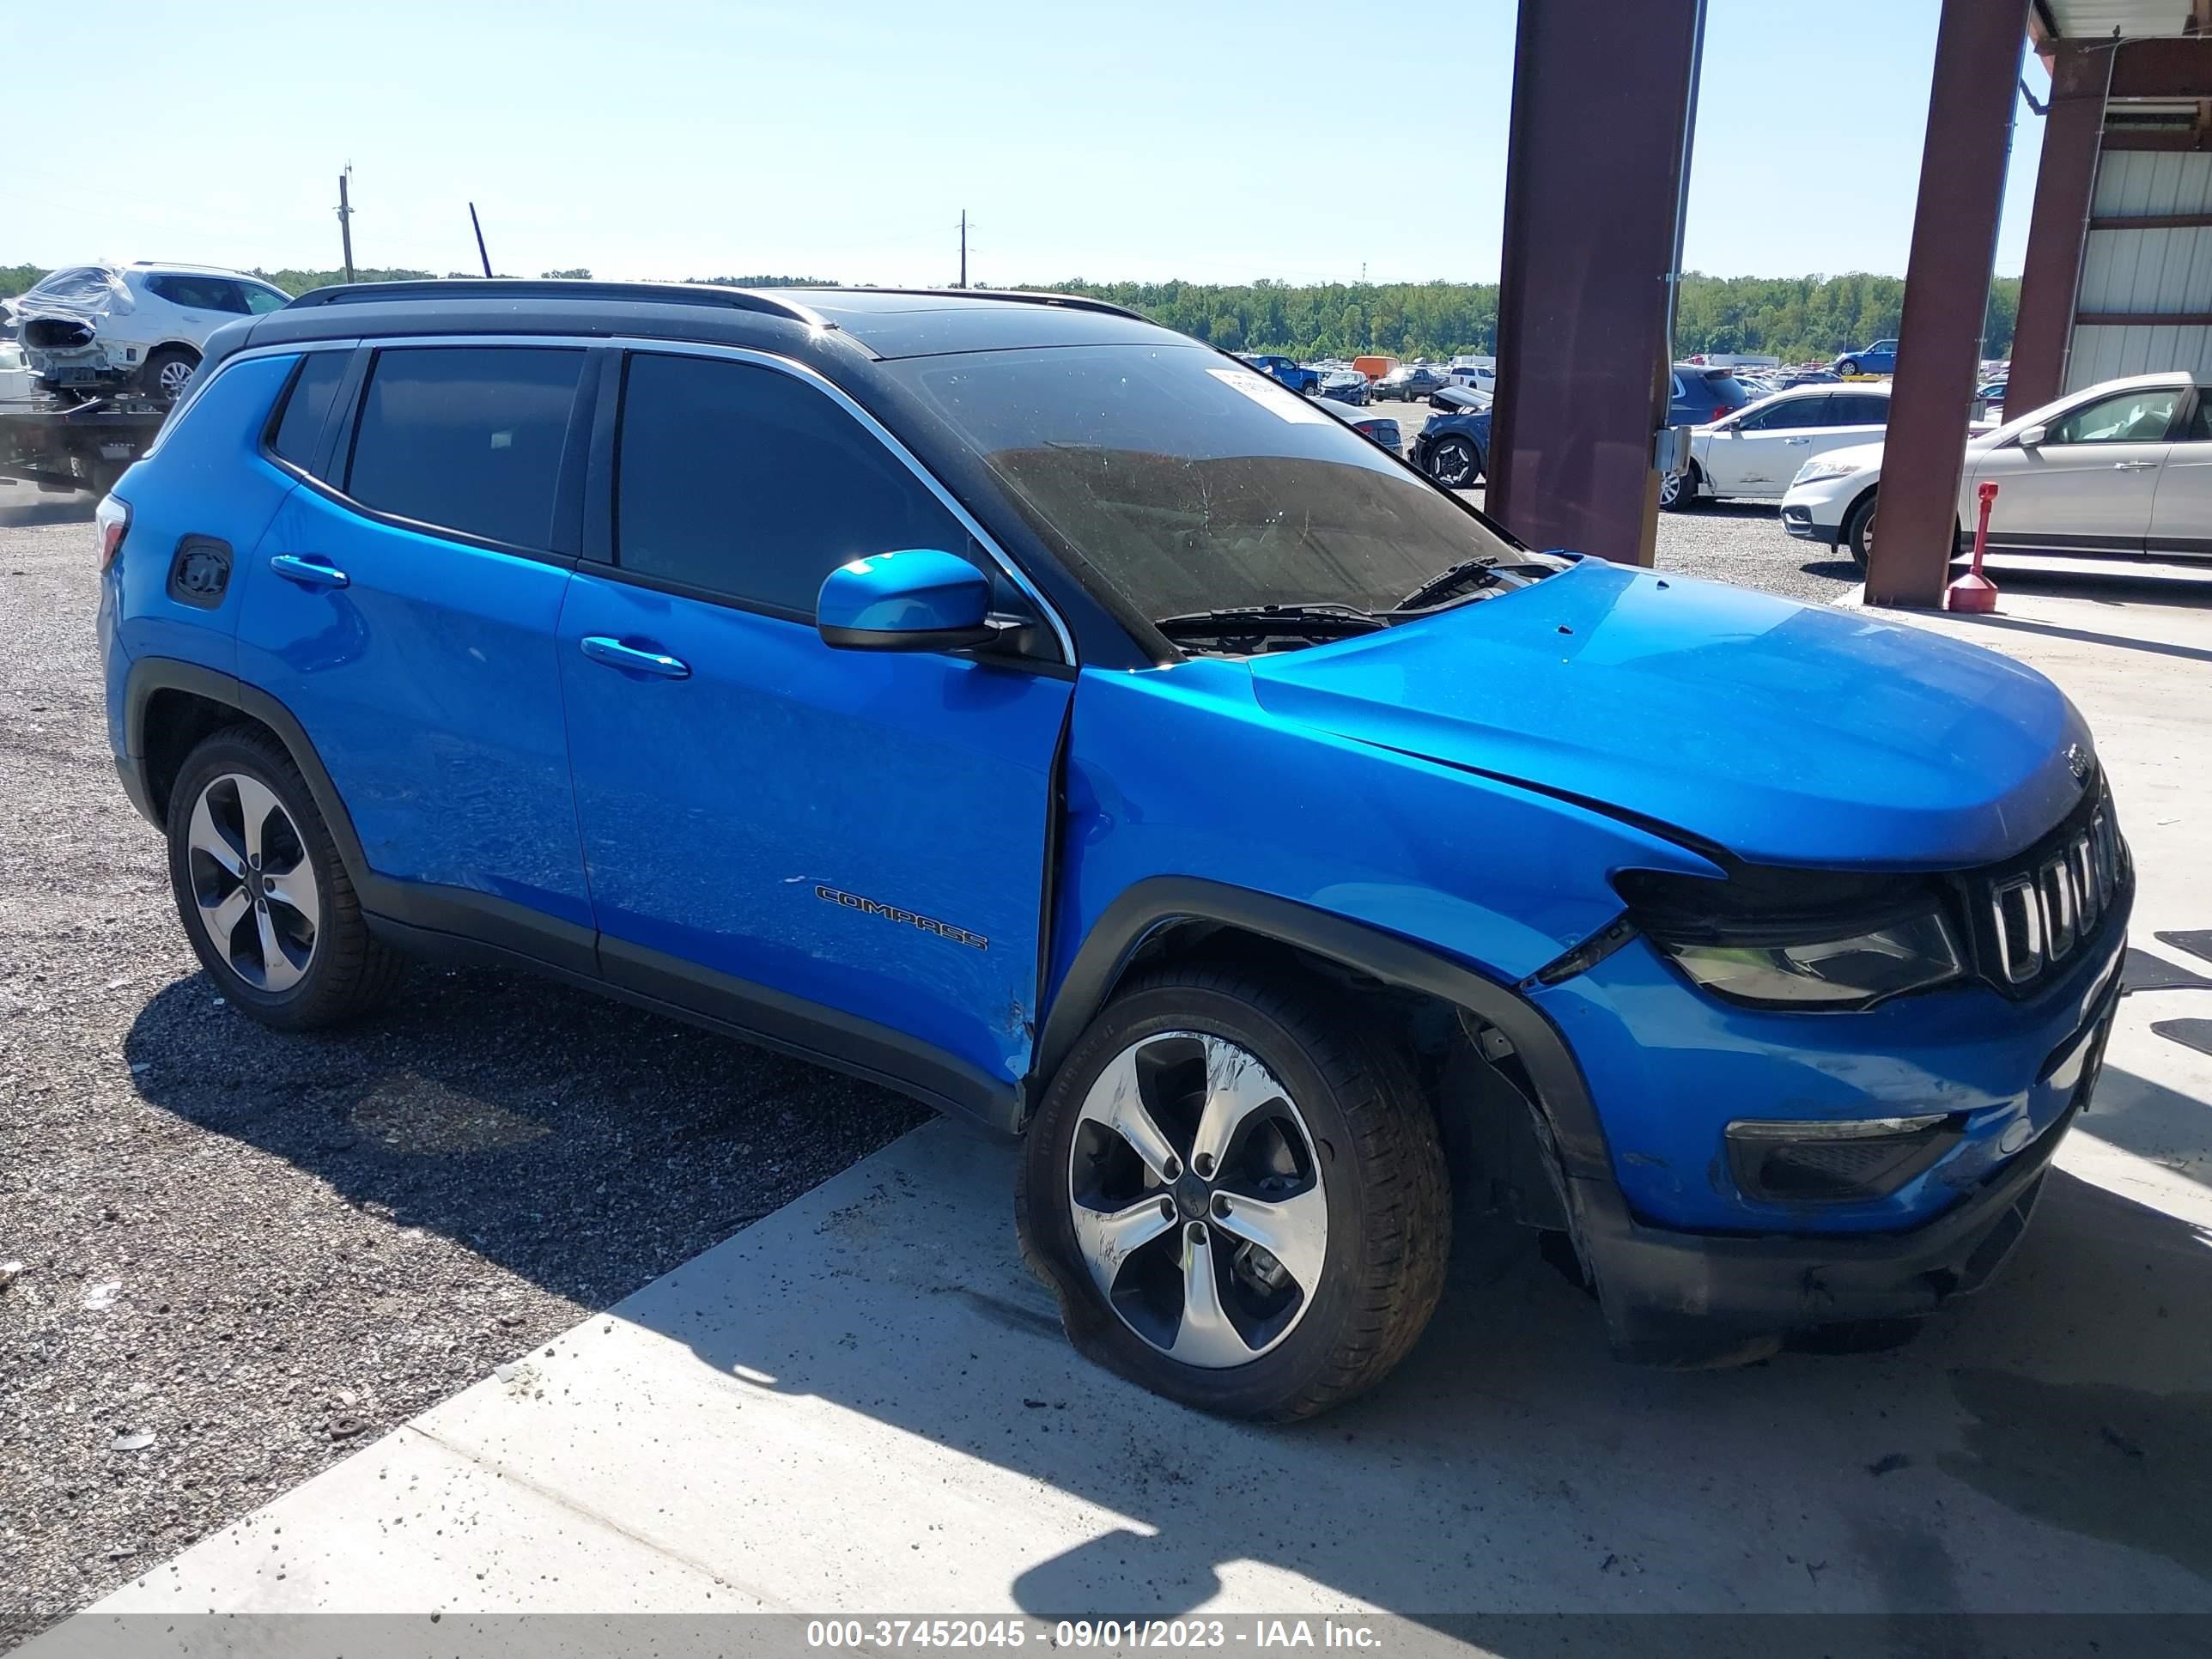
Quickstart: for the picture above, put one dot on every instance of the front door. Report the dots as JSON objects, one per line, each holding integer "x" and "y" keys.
{"x": 804, "y": 839}
{"x": 404, "y": 611}
{"x": 1760, "y": 451}
{"x": 2088, "y": 486}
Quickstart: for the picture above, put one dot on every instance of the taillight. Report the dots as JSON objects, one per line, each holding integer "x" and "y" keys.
{"x": 1720, "y": 412}
{"x": 113, "y": 518}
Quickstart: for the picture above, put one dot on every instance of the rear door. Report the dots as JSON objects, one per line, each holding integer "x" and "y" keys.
{"x": 402, "y": 605}
{"x": 2089, "y": 485}
{"x": 799, "y": 839}
{"x": 2181, "y": 513}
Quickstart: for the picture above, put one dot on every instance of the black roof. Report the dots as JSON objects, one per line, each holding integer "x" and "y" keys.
{"x": 882, "y": 322}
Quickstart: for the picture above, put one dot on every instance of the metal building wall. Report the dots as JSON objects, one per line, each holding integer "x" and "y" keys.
{"x": 2131, "y": 272}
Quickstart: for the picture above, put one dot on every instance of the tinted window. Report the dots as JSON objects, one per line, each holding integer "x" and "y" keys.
{"x": 2143, "y": 416}
{"x": 307, "y": 405}
{"x": 746, "y": 482}
{"x": 467, "y": 438}
{"x": 260, "y": 300}
{"x": 197, "y": 293}
{"x": 2199, "y": 429}
{"x": 1857, "y": 408}
{"x": 1790, "y": 414}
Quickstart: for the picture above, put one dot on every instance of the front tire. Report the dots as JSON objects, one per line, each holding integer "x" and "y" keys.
{"x": 263, "y": 894}
{"x": 1858, "y": 528}
{"x": 1455, "y": 464}
{"x": 1240, "y": 1199}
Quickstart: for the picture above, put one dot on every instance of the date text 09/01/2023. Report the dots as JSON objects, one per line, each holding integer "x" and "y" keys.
{"x": 893, "y": 1635}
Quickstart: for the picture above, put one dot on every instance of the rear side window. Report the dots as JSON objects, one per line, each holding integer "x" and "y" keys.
{"x": 749, "y": 483}
{"x": 466, "y": 437}
{"x": 307, "y": 406}
{"x": 197, "y": 293}
{"x": 1857, "y": 408}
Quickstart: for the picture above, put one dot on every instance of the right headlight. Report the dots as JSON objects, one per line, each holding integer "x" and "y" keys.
{"x": 1816, "y": 470}
{"x": 1797, "y": 940}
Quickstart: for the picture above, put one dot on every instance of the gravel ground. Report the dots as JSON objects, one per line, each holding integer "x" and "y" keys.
{"x": 243, "y": 1253}
{"x": 260, "y": 1250}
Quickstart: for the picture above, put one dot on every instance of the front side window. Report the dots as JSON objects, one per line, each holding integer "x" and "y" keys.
{"x": 1191, "y": 485}
{"x": 1787, "y": 415}
{"x": 2143, "y": 416}
{"x": 466, "y": 437}
{"x": 261, "y": 300}
{"x": 749, "y": 484}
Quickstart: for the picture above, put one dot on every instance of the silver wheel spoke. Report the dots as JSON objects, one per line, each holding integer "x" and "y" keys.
{"x": 1116, "y": 1101}
{"x": 1206, "y": 1337}
{"x": 1108, "y": 1238}
{"x": 203, "y": 836}
{"x": 1237, "y": 1085}
{"x": 1294, "y": 1231}
{"x": 295, "y": 891}
{"x": 278, "y": 971}
{"x": 222, "y": 917}
{"x": 255, "y": 803}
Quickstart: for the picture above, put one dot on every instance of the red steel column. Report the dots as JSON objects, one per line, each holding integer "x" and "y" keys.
{"x": 1604, "y": 93}
{"x": 1947, "y": 293}
{"x": 2065, "y": 182}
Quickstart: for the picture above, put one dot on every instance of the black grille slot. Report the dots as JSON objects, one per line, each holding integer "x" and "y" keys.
{"x": 2032, "y": 916}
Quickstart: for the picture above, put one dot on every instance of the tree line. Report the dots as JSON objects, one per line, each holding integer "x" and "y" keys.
{"x": 1797, "y": 318}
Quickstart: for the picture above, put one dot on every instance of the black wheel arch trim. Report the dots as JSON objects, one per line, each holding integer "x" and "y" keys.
{"x": 1161, "y": 901}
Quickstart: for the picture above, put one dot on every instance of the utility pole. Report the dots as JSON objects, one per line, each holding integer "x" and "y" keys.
{"x": 346, "y": 220}
{"x": 964, "y": 247}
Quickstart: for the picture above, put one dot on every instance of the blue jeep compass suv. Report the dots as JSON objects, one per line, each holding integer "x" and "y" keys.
{"x": 1021, "y": 705}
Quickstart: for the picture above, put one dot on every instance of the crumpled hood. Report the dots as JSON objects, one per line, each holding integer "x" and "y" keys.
{"x": 1786, "y": 734}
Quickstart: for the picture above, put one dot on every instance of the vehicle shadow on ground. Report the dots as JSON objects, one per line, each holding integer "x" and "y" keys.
{"x": 1509, "y": 1463}
{"x": 23, "y": 508}
{"x": 584, "y": 1144}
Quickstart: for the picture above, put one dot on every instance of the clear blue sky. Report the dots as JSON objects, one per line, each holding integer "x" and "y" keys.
{"x": 1214, "y": 140}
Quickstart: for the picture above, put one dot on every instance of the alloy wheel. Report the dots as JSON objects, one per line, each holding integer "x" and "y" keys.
{"x": 1455, "y": 463}
{"x": 1670, "y": 489}
{"x": 173, "y": 377}
{"x": 253, "y": 882}
{"x": 1197, "y": 1198}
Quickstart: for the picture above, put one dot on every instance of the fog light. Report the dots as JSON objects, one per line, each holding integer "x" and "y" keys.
{"x": 1835, "y": 1161}
{"x": 2017, "y": 1134}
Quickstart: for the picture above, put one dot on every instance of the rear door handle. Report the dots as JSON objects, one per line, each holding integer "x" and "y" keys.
{"x": 309, "y": 572}
{"x": 1794, "y": 442}
{"x": 636, "y": 658}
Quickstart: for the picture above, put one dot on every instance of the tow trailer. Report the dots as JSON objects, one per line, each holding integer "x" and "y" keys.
{"x": 59, "y": 445}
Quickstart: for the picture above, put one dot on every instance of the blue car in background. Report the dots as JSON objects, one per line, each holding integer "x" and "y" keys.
{"x": 1880, "y": 358}
{"x": 1287, "y": 372}
{"x": 1007, "y": 701}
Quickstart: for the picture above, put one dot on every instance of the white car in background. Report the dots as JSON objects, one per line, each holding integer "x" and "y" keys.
{"x": 2124, "y": 467}
{"x": 1755, "y": 452}
{"x": 94, "y": 328}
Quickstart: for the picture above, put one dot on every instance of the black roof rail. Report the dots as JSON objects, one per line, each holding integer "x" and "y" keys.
{"x": 519, "y": 287}
{"x": 1024, "y": 295}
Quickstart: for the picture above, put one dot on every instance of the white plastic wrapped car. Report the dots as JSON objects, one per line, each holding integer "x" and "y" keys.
{"x": 100, "y": 327}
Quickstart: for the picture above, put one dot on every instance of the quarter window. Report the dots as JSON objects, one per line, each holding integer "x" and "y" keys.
{"x": 307, "y": 406}
{"x": 466, "y": 437}
{"x": 747, "y": 483}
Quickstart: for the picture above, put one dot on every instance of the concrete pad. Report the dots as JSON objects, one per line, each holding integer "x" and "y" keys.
{"x": 863, "y": 1404}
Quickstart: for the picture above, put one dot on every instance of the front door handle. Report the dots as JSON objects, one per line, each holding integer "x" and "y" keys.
{"x": 1795, "y": 442}
{"x": 636, "y": 658}
{"x": 309, "y": 572}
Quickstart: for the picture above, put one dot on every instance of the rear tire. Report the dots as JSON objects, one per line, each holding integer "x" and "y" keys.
{"x": 168, "y": 371}
{"x": 1848, "y": 366}
{"x": 263, "y": 894}
{"x": 1679, "y": 491}
{"x": 1335, "y": 1153}
{"x": 1858, "y": 528}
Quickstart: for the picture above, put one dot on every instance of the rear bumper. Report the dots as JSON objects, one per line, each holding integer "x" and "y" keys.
{"x": 1685, "y": 1299}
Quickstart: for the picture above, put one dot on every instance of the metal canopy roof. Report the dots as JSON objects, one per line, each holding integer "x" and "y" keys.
{"x": 2099, "y": 20}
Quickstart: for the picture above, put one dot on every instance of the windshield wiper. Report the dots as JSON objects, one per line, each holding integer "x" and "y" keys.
{"x": 1296, "y": 619}
{"x": 1452, "y": 576}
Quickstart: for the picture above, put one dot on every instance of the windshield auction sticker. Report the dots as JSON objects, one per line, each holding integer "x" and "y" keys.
{"x": 1277, "y": 400}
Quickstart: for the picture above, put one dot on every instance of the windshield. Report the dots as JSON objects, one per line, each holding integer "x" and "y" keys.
{"x": 1191, "y": 485}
